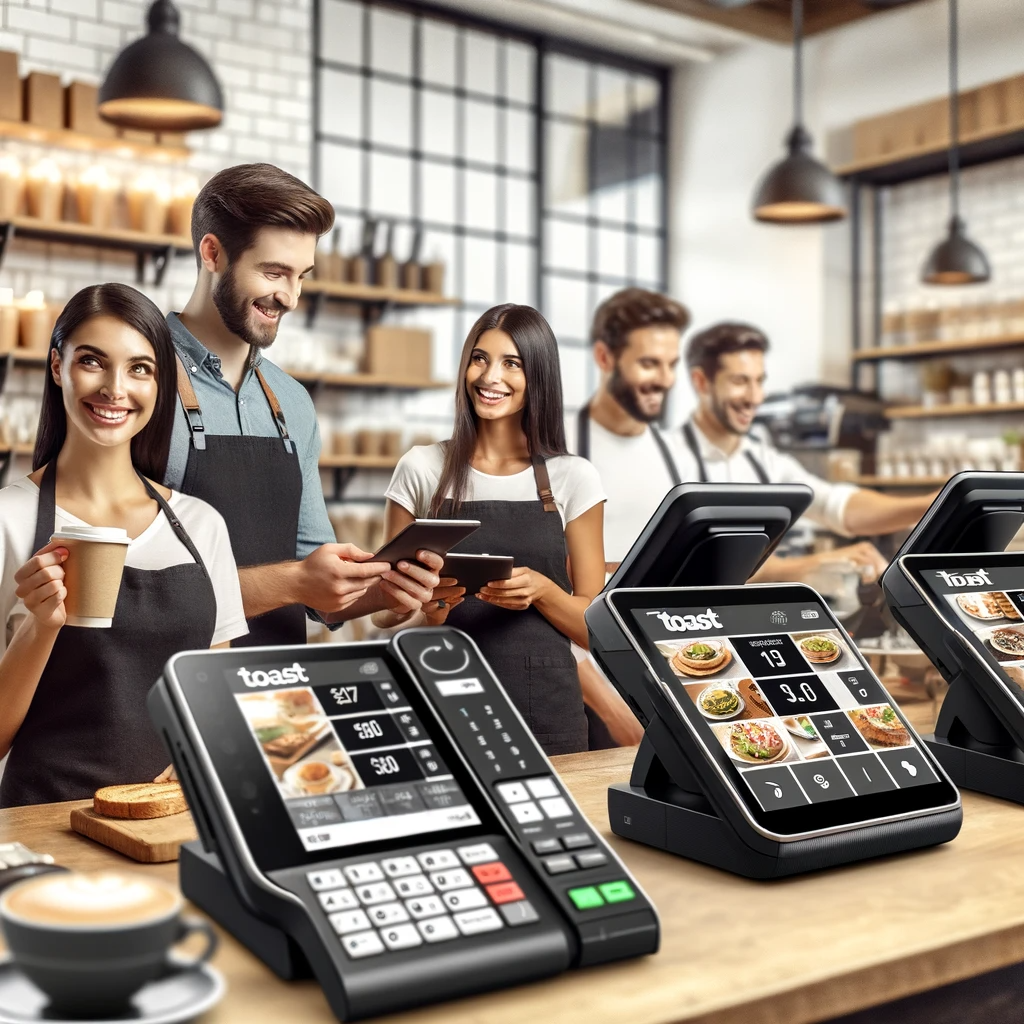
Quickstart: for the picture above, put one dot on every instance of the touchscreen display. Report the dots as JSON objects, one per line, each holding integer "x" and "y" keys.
{"x": 988, "y": 599}
{"x": 350, "y": 759}
{"x": 784, "y": 693}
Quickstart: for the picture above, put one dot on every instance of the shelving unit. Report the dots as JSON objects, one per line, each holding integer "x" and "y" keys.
{"x": 891, "y": 481}
{"x": 365, "y": 380}
{"x": 344, "y": 467}
{"x": 65, "y": 138}
{"x": 373, "y": 298}
{"x": 926, "y": 349}
{"x": 925, "y": 412}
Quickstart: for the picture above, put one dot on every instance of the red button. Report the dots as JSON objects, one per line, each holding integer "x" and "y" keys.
{"x": 506, "y": 892}
{"x": 488, "y": 873}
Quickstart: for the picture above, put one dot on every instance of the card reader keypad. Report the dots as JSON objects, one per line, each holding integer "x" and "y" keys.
{"x": 401, "y": 902}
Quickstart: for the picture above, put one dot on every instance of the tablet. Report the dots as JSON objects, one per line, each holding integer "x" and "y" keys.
{"x": 767, "y": 689}
{"x": 437, "y": 535}
{"x": 475, "y": 571}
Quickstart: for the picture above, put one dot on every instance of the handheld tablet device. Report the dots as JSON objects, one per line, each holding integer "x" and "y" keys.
{"x": 952, "y": 587}
{"x": 437, "y": 535}
{"x": 379, "y": 815}
{"x": 476, "y": 571}
{"x": 771, "y": 747}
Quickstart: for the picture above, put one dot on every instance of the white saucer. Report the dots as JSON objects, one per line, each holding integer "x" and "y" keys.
{"x": 170, "y": 1000}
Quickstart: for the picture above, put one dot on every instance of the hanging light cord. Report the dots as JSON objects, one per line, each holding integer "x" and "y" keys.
{"x": 798, "y": 62}
{"x": 954, "y": 111}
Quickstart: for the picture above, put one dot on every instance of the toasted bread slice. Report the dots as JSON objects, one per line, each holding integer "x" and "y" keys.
{"x": 140, "y": 800}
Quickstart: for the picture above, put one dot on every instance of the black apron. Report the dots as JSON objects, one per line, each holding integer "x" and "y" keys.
{"x": 255, "y": 483}
{"x": 531, "y": 657}
{"x": 691, "y": 442}
{"x": 87, "y": 725}
{"x": 583, "y": 443}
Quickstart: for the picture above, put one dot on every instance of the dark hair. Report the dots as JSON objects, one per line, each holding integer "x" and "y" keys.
{"x": 705, "y": 348}
{"x": 631, "y": 309}
{"x": 542, "y": 412}
{"x": 236, "y": 202}
{"x": 122, "y": 302}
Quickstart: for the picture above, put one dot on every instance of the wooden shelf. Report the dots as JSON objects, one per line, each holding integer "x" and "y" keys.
{"x": 892, "y": 481}
{"x": 921, "y": 350}
{"x": 365, "y": 380}
{"x": 67, "y": 139}
{"x": 370, "y": 293}
{"x": 923, "y": 412}
{"x": 358, "y": 461}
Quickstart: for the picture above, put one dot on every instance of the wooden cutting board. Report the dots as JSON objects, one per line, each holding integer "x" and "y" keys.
{"x": 149, "y": 841}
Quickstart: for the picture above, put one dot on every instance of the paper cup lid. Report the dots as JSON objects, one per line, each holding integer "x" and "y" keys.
{"x": 97, "y": 534}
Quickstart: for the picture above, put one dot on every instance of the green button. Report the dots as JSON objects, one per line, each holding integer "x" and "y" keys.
{"x": 617, "y": 892}
{"x": 586, "y": 897}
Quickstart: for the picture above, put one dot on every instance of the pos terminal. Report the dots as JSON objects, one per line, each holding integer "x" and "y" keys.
{"x": 379, "y": 814}
{"x": 771, "y": 748}
{"x": 960, "y": 595}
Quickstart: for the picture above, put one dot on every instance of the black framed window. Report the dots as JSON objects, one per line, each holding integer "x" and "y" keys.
{"x": 535, "y": 169}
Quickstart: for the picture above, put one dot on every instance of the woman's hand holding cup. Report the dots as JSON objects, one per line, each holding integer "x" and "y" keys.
{"x": 41, "y": 586}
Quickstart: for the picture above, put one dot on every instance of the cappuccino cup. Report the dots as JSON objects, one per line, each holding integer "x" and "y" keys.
{"x": 92, "y": 573}
{"x": 90, "y": 941}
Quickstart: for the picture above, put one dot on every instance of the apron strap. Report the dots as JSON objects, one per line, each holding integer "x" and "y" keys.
{"x": 275, "y": 408}
{"x": 670, "y": 463}
{"x": 583, "y": 432}
{"x": 175, "y": 523}
{"x": 691, "y": 442}
{"x": 46, "y": 516}
{"x": 189, "y": 402}
{"x": 540, "y": 475}
{"x": 759, "y": 472}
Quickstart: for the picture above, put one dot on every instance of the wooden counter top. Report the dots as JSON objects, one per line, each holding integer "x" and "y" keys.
{"x": 792, "y": 951}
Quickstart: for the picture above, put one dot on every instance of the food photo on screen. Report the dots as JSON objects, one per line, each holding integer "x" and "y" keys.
{"x": 880, "y": 726}
{"x": 766, "y": 741}
{"x": 987, "y": 608}
{"x": 1004, "y": 643}
{"x": 705, "y": 658}
{"x": 826, "y": 648}
{"x": 729, "y": 700}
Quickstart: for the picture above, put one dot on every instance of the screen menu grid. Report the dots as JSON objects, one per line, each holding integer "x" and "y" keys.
{"x": 349, "y": 756}
{"x": 784, "y": 694}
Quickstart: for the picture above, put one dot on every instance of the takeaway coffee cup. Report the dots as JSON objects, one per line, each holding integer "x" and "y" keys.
{"x": 92, "y": 572}
{"x": 91, "y": 941}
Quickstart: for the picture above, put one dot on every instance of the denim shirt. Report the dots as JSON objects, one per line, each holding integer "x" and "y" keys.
{"x": 247, "y": 412}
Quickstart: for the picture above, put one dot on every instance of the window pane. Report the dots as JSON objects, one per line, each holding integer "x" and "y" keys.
{"x": 438, "y": 128}
{"x": 481, "y": 199}
{"x": 391, "y": 185}
{"x": 437, "y": 201}
{"x": 646, "y": 100}
{"x": 480, "y": 271}
{"x": 390, "y": 113}
{"x": 519, "y": 130}
{"x": 341, "y": 175}
{"x": 520, "y": 271}
{"x": 565, "y": 245}
{"x": 612, "y": 106}
{"x": 481, "y": 131}
{"x": 481, "y": 50}
{"x": 341, "y": 31}
{"x": 391, "y": 41}
{"x": 519, "y": 207}
{"x": 341, "y": 103}
{"x": 566, "y": 307}
{"x": 610, "y": 171}
{"x": 576, "y": 363}
{"x": 519, "y": 71}
{"x": 611, "y": 252}
{"x": 567, "y": 86}
{"x": 567, "y": 184}
{"x": 438, "y": 56}
{"x": 648, "y": 258}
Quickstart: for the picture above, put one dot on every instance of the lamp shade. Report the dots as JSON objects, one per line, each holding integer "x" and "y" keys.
{"x": 159, "y": 83}
{"x": 799, "y": 189}
{"x": 956, "y": 259}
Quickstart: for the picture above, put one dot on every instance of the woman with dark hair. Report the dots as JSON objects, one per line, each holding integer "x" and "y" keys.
{"x": 506, "y": 464}
{"x": 72, "y": 698}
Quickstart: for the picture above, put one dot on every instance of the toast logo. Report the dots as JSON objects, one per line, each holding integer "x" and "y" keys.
{"x": 688, "y": 623}
{"x": 967, "y": 579}
{"x": 274, "y": 676}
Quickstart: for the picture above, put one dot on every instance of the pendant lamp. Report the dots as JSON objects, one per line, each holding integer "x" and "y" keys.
{"x": 956, "y": 259}
{"x": 799, "y": 189}
{"x": 159, "y": 83}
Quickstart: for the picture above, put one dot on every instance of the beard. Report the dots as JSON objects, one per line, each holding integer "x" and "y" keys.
{"x": 721, "y": 410}
{"x": 238, "y": 315}
{"x": 628, "y": 396}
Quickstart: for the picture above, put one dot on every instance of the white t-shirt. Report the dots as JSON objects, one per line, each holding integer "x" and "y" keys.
{"x": 828, "y": 506}
{"x": 157, "y": 547}
{"x": 635, "y": 476}
{"x": 575, "y": 484}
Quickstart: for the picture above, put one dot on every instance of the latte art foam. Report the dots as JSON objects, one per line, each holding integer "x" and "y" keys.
{"x": 100, "y": 899}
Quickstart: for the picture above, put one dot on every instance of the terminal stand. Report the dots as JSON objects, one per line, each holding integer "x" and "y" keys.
{"x": 974, "y": 747}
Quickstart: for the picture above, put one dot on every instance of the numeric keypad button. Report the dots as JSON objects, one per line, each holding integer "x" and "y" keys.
{"x": 436, "y": 860}
{"x": 474, "y": 922}
{"x": 362, "y": 944}
{"x": 388, "y": 913}
{"x": 479, "y": 853}
{"x": 376, "y": 892}
{"x": 438, "y": 929}
{"x": 459, "y": 878}
{"x": 425, "y": 906}
{"x": 464, "y": 899}
{"x": 360, "y": 874}
{"x": 401, "y": 936}
{"x": 349, "y": 921}
{"x": 527, "y": 813}
{"x": 399, "y": 867}
{"x": 340, "y": 899}
{"x": 319, "y": 881}
{"x": 417, "y": 885}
